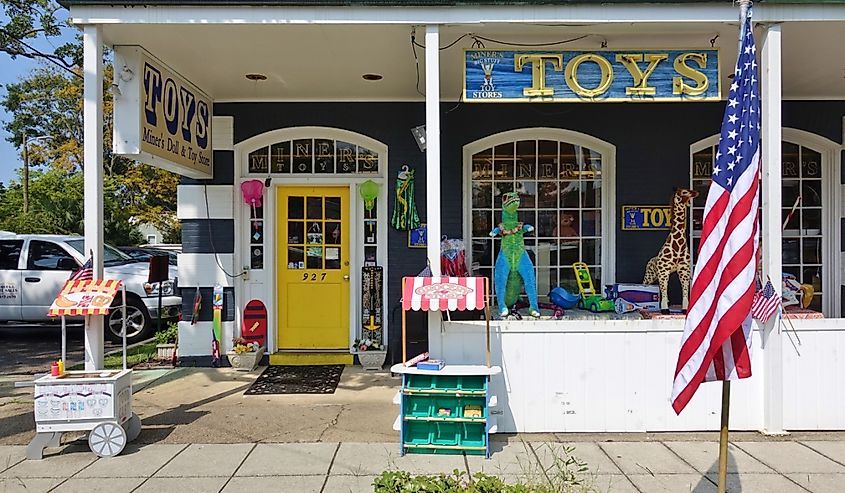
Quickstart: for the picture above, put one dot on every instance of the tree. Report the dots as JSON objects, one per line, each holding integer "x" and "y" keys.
{"x": 49, "y": 103}
{"x": 26, "y": 21}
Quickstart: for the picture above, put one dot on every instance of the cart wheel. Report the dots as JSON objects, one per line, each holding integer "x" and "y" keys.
{"x": 107, "y": 439}
{"x": 132, "y": 426}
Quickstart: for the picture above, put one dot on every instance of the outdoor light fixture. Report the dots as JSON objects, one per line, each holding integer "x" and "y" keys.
{"x": 372, "y": 77}
{"x": 125, "y": 75}
{"x": 115, "y": 89}
{"x": 256, "y": 76}
{"x": 419, "y": 136}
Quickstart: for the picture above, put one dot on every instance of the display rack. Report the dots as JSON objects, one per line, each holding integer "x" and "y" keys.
{"x": 445, "y": 411}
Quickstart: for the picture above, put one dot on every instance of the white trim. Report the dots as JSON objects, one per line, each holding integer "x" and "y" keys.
{"x": 432, "y": 149}
{"x": 832, "y": 209}
{"x": 267, "y": 277}
{"x": 608, "y": 183}
{"x": 457, "y": 14}
{"x": 223, "y": 136}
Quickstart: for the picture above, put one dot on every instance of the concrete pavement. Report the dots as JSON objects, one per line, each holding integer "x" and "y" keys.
{"x": 200, "y": 433}
{"x": 638, "y": 467}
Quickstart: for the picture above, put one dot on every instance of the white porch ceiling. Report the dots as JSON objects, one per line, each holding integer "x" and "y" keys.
{"x": 326, "y": 62}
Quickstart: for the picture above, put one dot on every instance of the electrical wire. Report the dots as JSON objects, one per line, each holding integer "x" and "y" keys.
{"x": 416, "y": 60}
{"x": 211, "y": 236}
{"x": 478, "y": 38}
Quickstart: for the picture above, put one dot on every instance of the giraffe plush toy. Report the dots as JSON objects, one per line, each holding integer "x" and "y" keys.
{"x": 674, "y": 255}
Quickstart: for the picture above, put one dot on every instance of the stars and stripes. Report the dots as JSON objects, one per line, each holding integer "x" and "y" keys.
{"x": 766, "y": 303}
{"x": 717, "y": 331}
{"x": 85, "y": 273}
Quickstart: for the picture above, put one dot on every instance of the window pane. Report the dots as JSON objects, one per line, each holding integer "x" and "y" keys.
{"x": 567, "y": 163}
{"x": 503, "y": 156}
{"x": 813, "y": 276}
{"x": 296, "y": 232}
{"x": 482, "y": 165}
{"x": 702, "y": 164}
{"x": 256, "y": 260}
{"x": 811, "y": 163}
{"x": 526, "y": 159}
{"x": 791, "y": 228}
{"x": 570, "y": 193}
{"x": 256, "y": 232}
{"x": 295, "y": 258}
{"x": 811, "y": 193}
{"x": 591, "y": 164}
{"x": 280, "y": 157}
{"x": 303, "y": 155}
{"x": 258, "y": 161}
{"x": 591, "y": 223}
{"x": 333, "y": 233}
{"x": 315, "y": 208}
{"x": 546, "y": 224}
{"x": 346, "y": 157}
{"x": 547, "y": 193}
{"x": 323, "y": 156}
{"x": 501, "y": 187}
{"x": 315, "y": 233}
{"x": 789, "y": 159}
{"x": 296, "y": 207}
{"x": 332, "y": 207}
{"x": 811, "y": 222}
{"x": 591, "y": 252}
{"x": 789, "y": 192}
{"x": 45, "y": 255}
{"x": 568, "y": 254}
{"x": 10, "y": 252}
{"x": 482, "y": 194}
{"x": 591, "y": 194}
{"x": 314, "y": 257}
{"x": 527, "y": 193}
{"x": 812, "y": 250}
{"x": 332, "y": 258}
{"x": 482, "y": 223}
{"x": 482, "y": 252}
{"x": 367, "y": 160}
{"x": 547, "y": 159}
{"x": 790, "y": 251}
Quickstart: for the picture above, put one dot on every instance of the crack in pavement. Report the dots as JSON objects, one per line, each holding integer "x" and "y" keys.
{"x": 332, "y": 422}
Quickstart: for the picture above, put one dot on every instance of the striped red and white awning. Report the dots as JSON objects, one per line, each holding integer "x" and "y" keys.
{"x": 88, "y": 297}
{"x": 443, "y": 293}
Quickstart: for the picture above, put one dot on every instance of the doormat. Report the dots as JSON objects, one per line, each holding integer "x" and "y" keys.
{"x": 322, "y": 379}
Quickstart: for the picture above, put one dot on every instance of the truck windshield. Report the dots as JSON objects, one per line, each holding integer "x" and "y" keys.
{"x": 111, "y": 255}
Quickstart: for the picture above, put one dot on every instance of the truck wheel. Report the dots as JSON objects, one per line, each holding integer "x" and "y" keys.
{"x": 138, "y": 324}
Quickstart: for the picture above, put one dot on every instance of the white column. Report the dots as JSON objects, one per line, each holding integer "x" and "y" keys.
{"x": 772, "y": 233}
{"x": 432, "y": 173}
{"x": 92, "y": 42}
{"x": 432, "y": 149}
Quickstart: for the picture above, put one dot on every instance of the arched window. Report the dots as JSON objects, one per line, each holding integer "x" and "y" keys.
{"x": 564, "y": 180}
{"x": 809, "y": 215}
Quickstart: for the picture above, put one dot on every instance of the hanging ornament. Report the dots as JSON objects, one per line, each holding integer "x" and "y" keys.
{"x": 369, "y": 191}
{"x": 405, "y": 215}
{"x": 252, "y": 191}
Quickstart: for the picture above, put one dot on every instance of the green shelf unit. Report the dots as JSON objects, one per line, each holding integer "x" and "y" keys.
{"x": 434, "y": 418}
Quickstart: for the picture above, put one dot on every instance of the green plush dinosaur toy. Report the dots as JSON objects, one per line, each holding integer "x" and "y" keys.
{"x": 513, "y": 265}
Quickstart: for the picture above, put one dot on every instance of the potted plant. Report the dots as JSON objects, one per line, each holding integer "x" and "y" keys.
{"x": 370, "y": 353}
{"x": 166, "y": 342}
{"x": 244, "y": 355}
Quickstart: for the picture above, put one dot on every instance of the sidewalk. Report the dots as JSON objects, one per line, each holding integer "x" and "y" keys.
{"x": 670, "y": 466}
{"x": 200, "y": 433}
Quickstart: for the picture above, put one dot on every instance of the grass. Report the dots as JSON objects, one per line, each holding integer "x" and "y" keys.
{"x": 142, "y": 353}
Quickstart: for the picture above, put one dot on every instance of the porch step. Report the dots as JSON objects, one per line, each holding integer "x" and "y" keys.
{"x": 302, "y": 358}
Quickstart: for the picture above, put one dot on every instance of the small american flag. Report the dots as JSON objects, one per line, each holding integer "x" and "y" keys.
{"x": 765, "y": 304}
{"x": 717, "y": 331}
{"x": 86, "y": 273}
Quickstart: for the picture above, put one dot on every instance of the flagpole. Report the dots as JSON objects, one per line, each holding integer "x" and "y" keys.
{"x": 723, "y": 437}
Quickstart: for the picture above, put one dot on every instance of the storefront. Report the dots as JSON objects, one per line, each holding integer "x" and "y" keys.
{"x": 315, "y": 102}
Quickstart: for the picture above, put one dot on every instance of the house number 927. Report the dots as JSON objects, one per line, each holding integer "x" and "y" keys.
{"x": 313, "y": 276}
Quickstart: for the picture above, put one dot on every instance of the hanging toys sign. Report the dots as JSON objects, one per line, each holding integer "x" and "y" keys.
{"x": 595, "y": 75}
{"x": 160, "y": 118}
{"x": 405, "y": 215}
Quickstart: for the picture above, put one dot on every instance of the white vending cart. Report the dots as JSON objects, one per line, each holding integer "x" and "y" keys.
{"x": 100, "y": 401}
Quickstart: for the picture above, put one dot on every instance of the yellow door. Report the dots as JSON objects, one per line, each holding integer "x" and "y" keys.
{"x": 313, "y": 267}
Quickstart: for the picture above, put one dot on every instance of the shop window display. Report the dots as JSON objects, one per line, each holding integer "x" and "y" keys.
{"x": 313, "y": 156}
{"x": 559, "y": 187}
{"x": 801, "y": 175}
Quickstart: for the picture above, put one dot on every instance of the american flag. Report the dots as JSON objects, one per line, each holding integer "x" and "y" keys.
{"x": 717, "y": 331}
{"x": 86, "y": 272}
{"x": 766, "y": 303}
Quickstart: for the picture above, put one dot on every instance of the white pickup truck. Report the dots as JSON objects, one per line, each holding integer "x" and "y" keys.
{"x": 33, "y": 269}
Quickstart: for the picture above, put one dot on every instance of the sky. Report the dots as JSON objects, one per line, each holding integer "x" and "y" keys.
{"x": 12, "y": 71}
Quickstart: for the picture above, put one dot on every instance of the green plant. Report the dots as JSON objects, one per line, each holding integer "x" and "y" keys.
{"x": 169, "y": 335}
